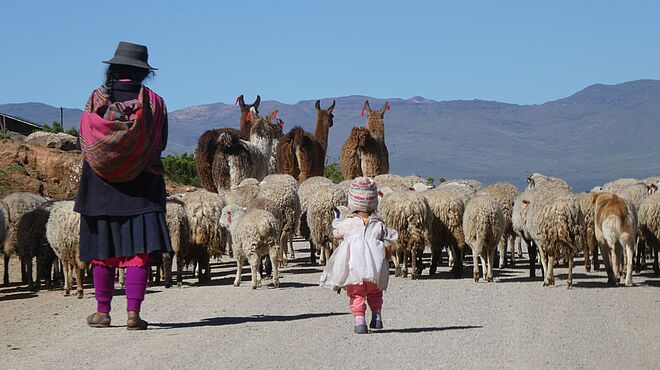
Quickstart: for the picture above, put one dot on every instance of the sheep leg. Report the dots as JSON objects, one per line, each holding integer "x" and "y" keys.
{"x": 475, "y": 266}
{"x": 6, "y": 276}
{"x": 656, "y": 268}
{"x": 587, "y": 260}
{"x": 595, "y": 258}
{"x": 239, "y": 269}
{"x": 167, "y": 270}
{"x": 502, "y": 247}
{"x": 549, "y": 275}
{"x": 67, "y": 279}
{"x": 179, "y": 271}
{"x": 292, "y": 252}
{"x": 491, "y": 259}
{"x": 570, "y": 272}
{"x": 413, "y": 264}
{"x": 511, "y": 242}
{"x": 274, "y": 253}
{"x": 79, "y": 280}
{"x": 397, "y": 263}
{"x": 254, "y": 261}
{"x": 531, "y": 252}
{"x": 629, "y": 264}
{"x": 312, "y": 253}
{"x": 435, "y": 256}
{"x": 283, "y": 259}
{"x": 640, "y": 258}
{"x": 405, "y": 263}
{"x": 28, "y": 265}
{"x": 457, "y": 268}
{"x": 520, "y": 243}
{"x": 122, "y": 277}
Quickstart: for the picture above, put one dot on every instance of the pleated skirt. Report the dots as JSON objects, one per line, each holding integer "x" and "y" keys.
{"x": 105, "y": 237}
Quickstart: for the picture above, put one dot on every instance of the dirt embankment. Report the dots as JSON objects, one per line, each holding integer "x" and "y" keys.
{"x": 51, "y": 172}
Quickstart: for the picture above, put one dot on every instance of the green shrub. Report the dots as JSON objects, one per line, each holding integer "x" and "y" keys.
{"x": 180, "y": 168}
{"x": 332, "y": 171}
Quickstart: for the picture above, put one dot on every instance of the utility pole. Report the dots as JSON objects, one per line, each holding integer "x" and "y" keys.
{"x": 62, "y": 117}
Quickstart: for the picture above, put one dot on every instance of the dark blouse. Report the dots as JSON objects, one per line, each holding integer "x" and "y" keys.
{"x": 144, "y": 194}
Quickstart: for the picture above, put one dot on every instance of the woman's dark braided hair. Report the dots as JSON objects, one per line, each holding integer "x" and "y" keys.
{"x": 117, "y": 72}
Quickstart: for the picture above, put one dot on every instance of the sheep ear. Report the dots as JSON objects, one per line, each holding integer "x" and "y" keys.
{"x": 317, "y": 105}
{"x": 256, "y": 102}
{"x": 332, "y": 106}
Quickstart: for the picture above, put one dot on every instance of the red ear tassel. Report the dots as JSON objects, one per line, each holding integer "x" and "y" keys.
{"x": 248, "y": 117}
{"x": 236, "y": 102}
{"x": 275, "y": 114}
{"x": 362, "y": 113}
{"x": 281, "y": 123}
{"x": 387, "y": 107}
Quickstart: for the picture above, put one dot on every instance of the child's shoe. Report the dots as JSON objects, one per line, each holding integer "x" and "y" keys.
{"x": 376, "y": 323}
{"x": 361, "y": 329}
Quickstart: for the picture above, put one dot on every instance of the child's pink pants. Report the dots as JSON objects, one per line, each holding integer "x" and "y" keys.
{"x": 367, "y": 291}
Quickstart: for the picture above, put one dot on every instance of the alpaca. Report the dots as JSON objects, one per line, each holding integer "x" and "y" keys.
{"x": 364, "y": 153}
{"x": 301, "y": 154}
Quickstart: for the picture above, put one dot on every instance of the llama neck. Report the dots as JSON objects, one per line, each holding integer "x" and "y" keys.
{"x": 376, "y": 127}
{"x": 261, "y": 143}
{"x": 322, "y": 129}
{"x": 245, "y": 125}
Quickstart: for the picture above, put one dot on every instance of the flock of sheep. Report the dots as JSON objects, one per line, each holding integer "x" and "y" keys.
{"x": 262, "y": 187}
{"x": 259, "y": 219}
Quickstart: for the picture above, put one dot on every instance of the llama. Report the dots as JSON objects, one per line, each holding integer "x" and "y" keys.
{"x": 364, "y": 153}
{"x": 301, "y": 154}
{"x": 208, "y": 144}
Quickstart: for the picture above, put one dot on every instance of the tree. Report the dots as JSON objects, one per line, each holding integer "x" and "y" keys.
{"x": 57, "y": 127}
{"x": 180, "y": 168}
{"x": 332, "y": 170}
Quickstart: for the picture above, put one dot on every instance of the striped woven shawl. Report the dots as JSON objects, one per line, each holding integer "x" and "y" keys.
{"x": 120, "y": 140}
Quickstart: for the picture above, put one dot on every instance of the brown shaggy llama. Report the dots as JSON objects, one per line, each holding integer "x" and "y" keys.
{"x": 364, "y": 153}
{"x": 246, "y": 124}
{"x": 301, "y": 154}
{"x": 223, "y": 158}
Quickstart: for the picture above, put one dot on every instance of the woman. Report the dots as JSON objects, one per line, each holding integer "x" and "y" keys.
{"x": 121, "y": 196}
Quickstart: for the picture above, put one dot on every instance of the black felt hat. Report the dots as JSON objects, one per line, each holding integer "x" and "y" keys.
{"x": 129, "y": 54}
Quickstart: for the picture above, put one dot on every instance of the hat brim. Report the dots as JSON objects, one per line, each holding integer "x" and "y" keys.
{"x": 129, "y": 62}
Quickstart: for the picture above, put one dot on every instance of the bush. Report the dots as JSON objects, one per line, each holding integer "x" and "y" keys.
{"x": 57, "y": 127}
{"x": 180, "y": 168}
{"x": 332, "y": 171}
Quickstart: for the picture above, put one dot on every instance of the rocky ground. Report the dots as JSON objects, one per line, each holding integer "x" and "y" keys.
{"x": 434, "y": 322}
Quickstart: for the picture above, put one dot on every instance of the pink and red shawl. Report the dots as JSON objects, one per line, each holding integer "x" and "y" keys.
{"x": 120, "y": 140}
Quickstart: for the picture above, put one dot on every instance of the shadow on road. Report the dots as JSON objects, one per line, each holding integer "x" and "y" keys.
{"x": 222, "y": 321}
{"x": 426, "y": 330}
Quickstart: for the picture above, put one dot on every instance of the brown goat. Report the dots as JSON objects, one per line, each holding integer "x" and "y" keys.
{"x": 301, "y": 154}
{"x": 364, "y": 153}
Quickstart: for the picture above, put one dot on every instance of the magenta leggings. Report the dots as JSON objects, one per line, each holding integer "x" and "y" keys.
{"x": 104, "y": 287}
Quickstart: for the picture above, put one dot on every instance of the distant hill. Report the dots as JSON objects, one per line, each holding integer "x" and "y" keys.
{"x": 600, "y": 133}
{"x": 40, "y": 113}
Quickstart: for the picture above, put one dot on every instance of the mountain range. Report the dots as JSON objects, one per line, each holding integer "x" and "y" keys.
{"x": 598, "y": 134}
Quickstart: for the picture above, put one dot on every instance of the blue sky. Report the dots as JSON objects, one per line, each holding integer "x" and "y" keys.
{"x": 523, "y": 52}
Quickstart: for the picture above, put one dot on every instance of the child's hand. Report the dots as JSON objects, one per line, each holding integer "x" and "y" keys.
{"x": 337, "y": 289}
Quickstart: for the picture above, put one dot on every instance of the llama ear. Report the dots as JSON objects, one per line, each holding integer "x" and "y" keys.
{"x": 274, "y": 114}
{"x": 317, "y": 105}
{"x": 256, "y": 102}
{"x": 332, "y": 106}
{"x": 366, "y": 107}
{"x": 385, "y": 108}
{"x": 240, "y": 102}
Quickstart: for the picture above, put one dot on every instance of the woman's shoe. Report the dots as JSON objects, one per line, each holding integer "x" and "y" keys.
{"x": 98, "y": 320}
{"x": 136, "y": 323}
{"x": 376, "y": 324}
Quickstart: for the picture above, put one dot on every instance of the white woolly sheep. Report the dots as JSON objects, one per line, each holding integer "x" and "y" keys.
{"x": 585, "y": 202}
{"x": 179, "y": 230}
{"x": 505, "y": 193}
{"x": 649, "y": 222}
{"x": 283, "y": 191}
{"x": 321, "y": 208}
{"x": 309, "y": 187}
{"x": 555, "y": 223}
{"x": 409, "y": 214}
{"x": 63, "y": 234}
{"x": 207, "y": 240}
{"x": 15, "y": 206}
{"x": 615, "y": 228}
{"x": 255, "y": 233}
{"x": 483, "y": 225}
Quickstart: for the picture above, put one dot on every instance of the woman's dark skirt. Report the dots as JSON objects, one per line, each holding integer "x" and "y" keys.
{"x": 103, "y": 237}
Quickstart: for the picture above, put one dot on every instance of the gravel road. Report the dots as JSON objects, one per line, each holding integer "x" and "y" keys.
{"x": 434, "y": 322}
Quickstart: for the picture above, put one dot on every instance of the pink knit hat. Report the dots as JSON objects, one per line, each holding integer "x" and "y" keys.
{"x": 363, "y": 195}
